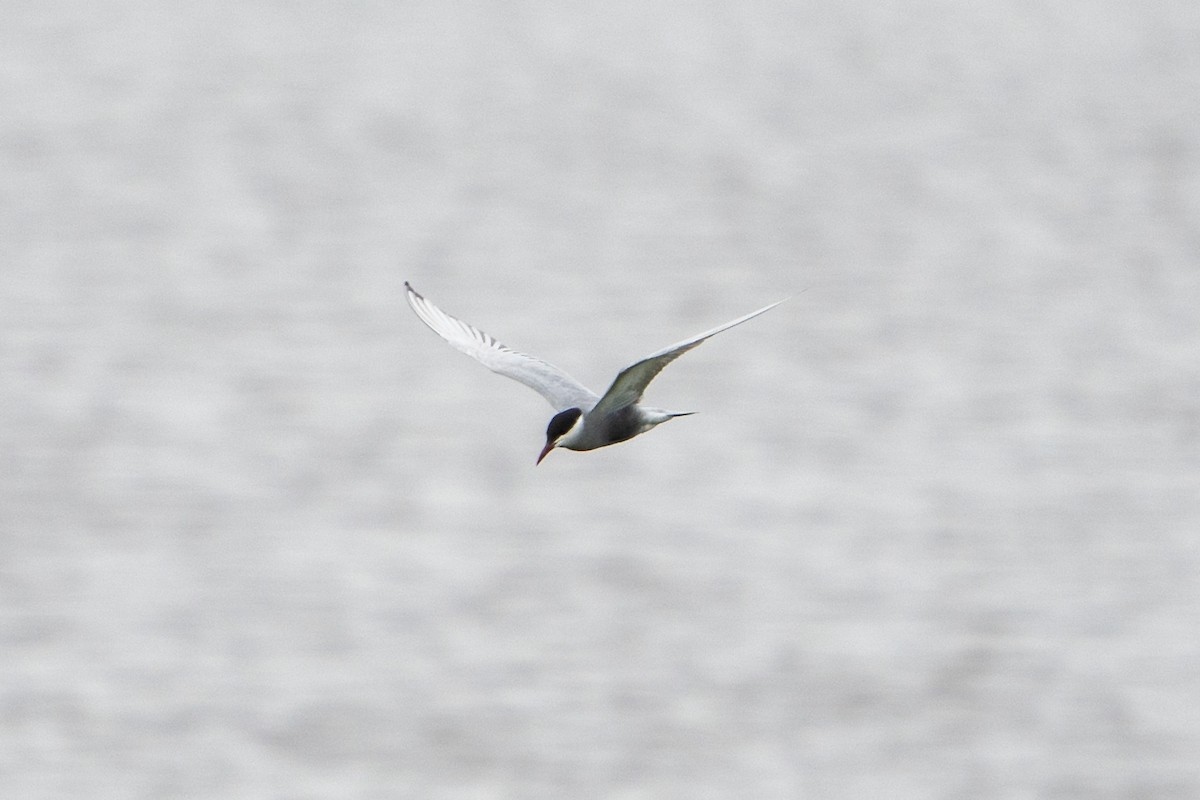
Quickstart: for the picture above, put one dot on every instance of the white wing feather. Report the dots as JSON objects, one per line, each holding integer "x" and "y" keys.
{"x": 556, "y": 386}
{"x": 633, "y": 380}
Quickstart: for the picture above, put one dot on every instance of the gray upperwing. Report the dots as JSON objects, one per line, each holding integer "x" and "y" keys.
{"x": 632, "y": 381}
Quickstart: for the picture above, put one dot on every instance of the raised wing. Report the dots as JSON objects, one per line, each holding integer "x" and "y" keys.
{"x": 633, "y": 380}
{"x": 549, "y": 381}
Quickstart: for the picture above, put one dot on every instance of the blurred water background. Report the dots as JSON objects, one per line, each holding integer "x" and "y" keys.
{"x": 932, "y": 535}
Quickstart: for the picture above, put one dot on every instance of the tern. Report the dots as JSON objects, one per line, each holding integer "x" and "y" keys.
{"x": 584, "y": 420}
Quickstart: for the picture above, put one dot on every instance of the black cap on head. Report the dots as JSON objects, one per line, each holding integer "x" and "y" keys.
{"x": 562, "y": 422}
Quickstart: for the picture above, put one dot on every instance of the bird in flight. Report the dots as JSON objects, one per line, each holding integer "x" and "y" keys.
{"x": 584, "y": 420}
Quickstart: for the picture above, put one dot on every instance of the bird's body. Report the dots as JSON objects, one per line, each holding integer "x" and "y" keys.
{"x": 585, "y": 420}
{"x": 619, "y": 426}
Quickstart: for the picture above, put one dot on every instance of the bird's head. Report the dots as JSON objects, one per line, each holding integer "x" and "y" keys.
{"x": 561, "y": 425}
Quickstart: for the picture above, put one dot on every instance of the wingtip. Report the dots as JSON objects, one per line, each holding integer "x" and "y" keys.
{"x": 783, "y": 300}
{"x": 767, "y": 308}
{"x": 792, "y": 296}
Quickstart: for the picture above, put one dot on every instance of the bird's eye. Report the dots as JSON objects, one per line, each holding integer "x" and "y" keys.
{"x": 562, "y": 422}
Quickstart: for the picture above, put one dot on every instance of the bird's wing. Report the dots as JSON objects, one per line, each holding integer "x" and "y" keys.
{"x": 549, "y": 381}
{"x": 633, "y": 380}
